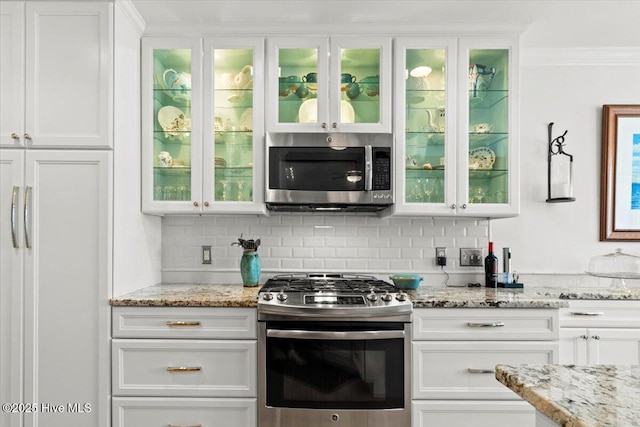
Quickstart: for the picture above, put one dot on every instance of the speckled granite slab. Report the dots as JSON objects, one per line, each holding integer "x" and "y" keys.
{"x": 190, "y": 295}
{"x": 578, "y": 396}
{"x": 217, "y": 295}
{"x": 465, "y": 297}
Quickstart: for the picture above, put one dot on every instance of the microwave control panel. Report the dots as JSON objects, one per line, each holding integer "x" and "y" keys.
{"x": 382, "y": 169}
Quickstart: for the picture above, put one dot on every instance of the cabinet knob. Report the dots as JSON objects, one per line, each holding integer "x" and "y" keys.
{"x": 324, "y": 125}
{"x": 595, "y": 337}
{"x": 196, "y": 204}
{"x": 334, "y": 125}
{"x": 584, "y": 337}
{"x": 27, "y": 136}
{"x": 464, "y": 206}
{"x": 453, "y": 206}
{"x": 15, "y": 136}
{"x": 206, "y": 204}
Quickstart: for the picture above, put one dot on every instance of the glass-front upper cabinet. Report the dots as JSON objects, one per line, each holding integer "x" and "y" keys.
{"x": 489, "y": 101}
{"x": 316, "y": 84}
{"x": 171, "y": 127}
{"x": 456, "y": 121}
{"x": 233, "y": 134}
{"x": 425, "y": 132}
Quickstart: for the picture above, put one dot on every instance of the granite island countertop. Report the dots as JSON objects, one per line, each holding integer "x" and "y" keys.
{"x": 236, "y": 295}
{"x": 578, "y": 396}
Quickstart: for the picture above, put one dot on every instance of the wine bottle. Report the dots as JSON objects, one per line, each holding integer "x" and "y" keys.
{"x": 491, "y": 269}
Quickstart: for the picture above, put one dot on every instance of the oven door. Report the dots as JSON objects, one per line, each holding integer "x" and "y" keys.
{"x": 334, "y": 373}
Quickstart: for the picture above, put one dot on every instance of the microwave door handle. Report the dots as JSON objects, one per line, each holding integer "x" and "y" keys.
{"x": 368, "y": 171}
{"x": 333, "y": 335}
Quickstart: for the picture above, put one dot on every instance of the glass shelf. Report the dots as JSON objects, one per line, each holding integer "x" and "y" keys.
{"x": 487, "y": 99}
{"x": 172, "y": 171}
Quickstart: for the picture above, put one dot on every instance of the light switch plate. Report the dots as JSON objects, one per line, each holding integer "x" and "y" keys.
{"x": 471, "y": 257}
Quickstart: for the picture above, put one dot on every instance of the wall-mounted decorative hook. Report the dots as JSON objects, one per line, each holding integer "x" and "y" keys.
{"x": 559, "y": 170}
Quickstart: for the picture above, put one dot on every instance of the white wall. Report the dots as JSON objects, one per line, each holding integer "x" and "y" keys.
{"x": 576, "y": 55}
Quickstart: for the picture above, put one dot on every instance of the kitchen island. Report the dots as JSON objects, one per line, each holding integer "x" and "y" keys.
{"x": 570, "y": 395}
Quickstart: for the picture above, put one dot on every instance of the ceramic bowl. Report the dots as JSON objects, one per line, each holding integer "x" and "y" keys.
{"x": 406, "y": 280}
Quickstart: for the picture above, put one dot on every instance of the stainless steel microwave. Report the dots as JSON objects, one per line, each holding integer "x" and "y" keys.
{"x": 329, "y": 172}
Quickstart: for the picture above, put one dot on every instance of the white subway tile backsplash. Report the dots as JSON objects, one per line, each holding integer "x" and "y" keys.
{"x": 319, "y": 242}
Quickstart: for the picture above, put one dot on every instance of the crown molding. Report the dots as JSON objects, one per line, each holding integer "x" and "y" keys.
{"x": 132, "y": 13}
{"x": 580, "y": 56}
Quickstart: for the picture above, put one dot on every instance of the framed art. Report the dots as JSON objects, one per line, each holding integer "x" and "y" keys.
{"x": 620, "y": 173}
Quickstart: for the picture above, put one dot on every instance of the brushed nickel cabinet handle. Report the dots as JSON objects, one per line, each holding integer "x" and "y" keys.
{"x": 453, "y": 206}
{"x": 181, "y": 323}
{"x": 176, "y": 425}
{"x": 14, "y": 216}
{"x": 324, "y": 125}
{"x": 184, "y": 368}
{"x": 27, "y": 216}
{"x": 584, "y": 337}
{"x": 481, "y": 371}
{"x": 27, "y": 136}
{"x": 206, "y": 204}
{"x": 595, "y": 337}
{"x": 464, "y": 206}
{"x": 485, "y": 325}
{"x": 196, "y": 204}
{"x": 334, "y": 125}
{"x": 587, "y": 313}
{"x": 15, "y": 136}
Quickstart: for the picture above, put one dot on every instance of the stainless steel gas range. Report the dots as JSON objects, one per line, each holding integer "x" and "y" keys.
{"x": 333, "y": 350}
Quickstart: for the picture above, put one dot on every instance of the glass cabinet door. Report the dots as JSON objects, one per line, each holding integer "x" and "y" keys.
{"x": 297, "y": 84}
{"x": 360, "y": 84}
{"x": 311, "y": 91}
{"x": 170, "y": 99}
{"x": 233, "y": 161}
{"x": 491, "y": 183}
{"x": 426, "y": 147}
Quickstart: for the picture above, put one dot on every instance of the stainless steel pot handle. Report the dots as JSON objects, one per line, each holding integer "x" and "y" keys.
{"x": 14, "y": 216}
{"x": 334, "y": 335}
{"x": 27, "y": 217}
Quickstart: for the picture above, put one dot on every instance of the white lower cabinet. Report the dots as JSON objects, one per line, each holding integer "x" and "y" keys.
{"x": 454, "y": 354}
{"x": 184, "y": 367}
{"x": 600, "y": 333}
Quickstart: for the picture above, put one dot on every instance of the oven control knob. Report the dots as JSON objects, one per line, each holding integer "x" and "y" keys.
{"x": 387, "y": 296}
{"x": 282, "y": 296}
{"x": 372, "y": 296}
{"x": 267, "y": 296}
{"x": 401, "y": 296}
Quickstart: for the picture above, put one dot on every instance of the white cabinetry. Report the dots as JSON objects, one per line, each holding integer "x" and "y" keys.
{"x": 600, "y": 332}
{"x": 55, "y": 274}
{"x": 320, "y": 84}
{"x": 55, "y": 74}
{"x": 184, "y": 366}
{"x": 454, "y": 353}
{"x": 201, "y": 115}
{"x": 456, "y": 117}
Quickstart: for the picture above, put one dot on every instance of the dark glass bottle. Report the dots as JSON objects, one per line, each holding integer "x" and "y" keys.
{"x": 491, "y": 269}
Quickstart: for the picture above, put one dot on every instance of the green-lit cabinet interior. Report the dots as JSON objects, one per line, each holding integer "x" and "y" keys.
{"x": 455, "y": 151}
{"x": 198, "y": 125}
{"x": 316, "y": 84}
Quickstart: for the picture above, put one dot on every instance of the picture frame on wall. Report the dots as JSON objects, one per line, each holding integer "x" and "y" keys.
{"x": 620, "y": 173}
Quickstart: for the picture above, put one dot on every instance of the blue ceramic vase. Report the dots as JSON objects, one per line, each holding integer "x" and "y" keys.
{"x": 250, "y": 268}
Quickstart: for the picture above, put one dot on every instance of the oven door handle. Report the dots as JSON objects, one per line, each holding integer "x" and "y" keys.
{"x": 334, "y": 335}
{"x": 368, "y": 168}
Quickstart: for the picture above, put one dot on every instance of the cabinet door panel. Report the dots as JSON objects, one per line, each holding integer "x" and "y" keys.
{"x": 150, "y": 412}
{"x": 472, "y": 413}
{"x": 465, "y": 370}
{"x": 11, "y": 73}
{"x": 67, "y": 284}
{"x": 68, "y": 74}
{"x": 573, "y": 346}
{"x": 614, "y": 346}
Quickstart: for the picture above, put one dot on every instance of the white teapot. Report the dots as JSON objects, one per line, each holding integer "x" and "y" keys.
{"x": 242, "y": 80}
{"x": 164, "y": 159}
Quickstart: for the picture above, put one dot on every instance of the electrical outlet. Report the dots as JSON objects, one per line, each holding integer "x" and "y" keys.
{"x": 470, "y": 257}
{"x": 206, "y": 254}
{"x": 441, "y": 256}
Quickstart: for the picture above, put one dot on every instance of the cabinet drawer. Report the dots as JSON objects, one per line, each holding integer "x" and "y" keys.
{"x": 178, "y": 412}
{"x": 184, "y": 368}
{"x": 465, "y": 370}
{"x": 472, "y": 413}
{"x": 603, "y": 314}
{"x": 485, "y": 324}
{"x": 184, "y": 322}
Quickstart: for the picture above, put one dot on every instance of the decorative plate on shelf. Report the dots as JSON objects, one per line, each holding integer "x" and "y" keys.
{"x": 481, "y": 158}
{"x": 173, "y": 120}
{"x": 246, "y": 120}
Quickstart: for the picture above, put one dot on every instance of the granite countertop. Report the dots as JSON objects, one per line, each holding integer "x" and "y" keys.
{"x": 236, "y": 295}
{"x": 584, "y": 396}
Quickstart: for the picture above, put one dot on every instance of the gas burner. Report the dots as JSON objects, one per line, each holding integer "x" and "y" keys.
{"x": 327, "y": 283}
